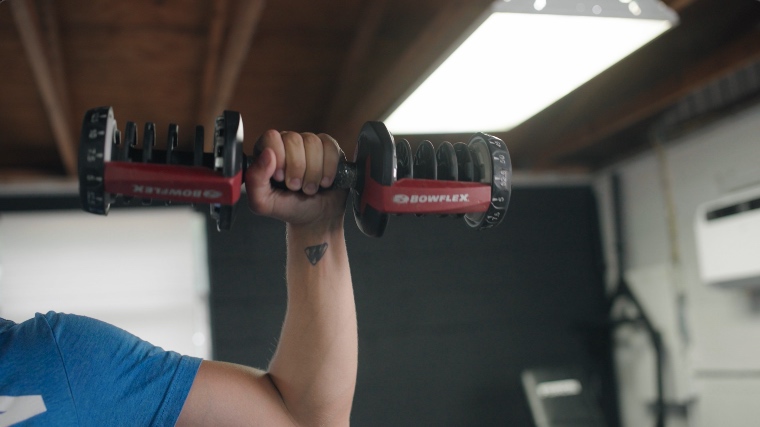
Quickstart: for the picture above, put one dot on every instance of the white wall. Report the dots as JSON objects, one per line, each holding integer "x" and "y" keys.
{"x": 144, "y": 271}
{"x": 712, "y": 335}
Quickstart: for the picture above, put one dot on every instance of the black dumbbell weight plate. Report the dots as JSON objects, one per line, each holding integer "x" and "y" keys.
{"x": 466, "y": 169}
{"x": 228, "y": 159}
{"x": 404, "y": 160}
{"x": 130, "y": 142}
{"x": 149, "y": 142}
{"x": 446, "y": 159}
{"x": 376, "y": 144}
{"x": 425, "y": 164}
{"x": 233, "y": 144}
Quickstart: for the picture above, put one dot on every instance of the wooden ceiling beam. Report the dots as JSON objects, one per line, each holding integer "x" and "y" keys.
{"x": 9, "y": 178}
{"x": 417, "y": 60}
{"x": 678, "y": 5}
{"x": 55, "y": 52}
{"x": 216, "y": 30}
{"x": 369, "y": 22}
{"x": 734, "y": 56}
{"x": 238, "y": 43}
{"x": 52, "y": 89}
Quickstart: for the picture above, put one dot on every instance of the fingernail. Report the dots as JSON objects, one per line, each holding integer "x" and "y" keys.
{"x": 295, "y": 184}
{"x": 326, "y": 181}
{"x": 279, "y": 175}
{"x": 310, "y": 189}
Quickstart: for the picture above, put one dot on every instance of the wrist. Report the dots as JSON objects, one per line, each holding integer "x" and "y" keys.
{"x": 321, "y": 244}
{"x": 318, "y": 229}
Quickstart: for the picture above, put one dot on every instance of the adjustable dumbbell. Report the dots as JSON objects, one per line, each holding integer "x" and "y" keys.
{"x": 469, "y": 180}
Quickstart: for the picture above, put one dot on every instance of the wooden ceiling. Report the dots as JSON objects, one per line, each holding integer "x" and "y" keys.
{"x": 324, "y": 66}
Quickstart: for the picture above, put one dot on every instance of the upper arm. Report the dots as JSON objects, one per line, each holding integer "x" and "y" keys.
{"x": 225, "y": 394}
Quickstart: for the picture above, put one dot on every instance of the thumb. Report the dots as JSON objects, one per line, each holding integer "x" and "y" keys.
{"x": 257, "y": 177}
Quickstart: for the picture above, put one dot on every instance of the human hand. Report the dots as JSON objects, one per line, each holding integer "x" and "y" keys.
{"x": 304, "y": 162}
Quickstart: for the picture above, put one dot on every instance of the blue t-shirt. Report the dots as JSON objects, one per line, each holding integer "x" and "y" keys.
{"x": 67, "y": 370}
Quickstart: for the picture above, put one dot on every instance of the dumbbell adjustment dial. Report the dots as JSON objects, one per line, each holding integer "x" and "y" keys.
{"x": 494, "y": 167}
{"x": 95, "y": 146}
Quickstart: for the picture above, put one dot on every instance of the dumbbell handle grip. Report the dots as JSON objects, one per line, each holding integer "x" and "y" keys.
{"x": 345, "y": 178}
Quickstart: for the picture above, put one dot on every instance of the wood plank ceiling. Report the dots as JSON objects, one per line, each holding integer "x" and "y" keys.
{"x": 324, "y": 66}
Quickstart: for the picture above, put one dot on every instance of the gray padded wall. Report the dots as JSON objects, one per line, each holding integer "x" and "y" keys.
{"x": 448, "y": 317}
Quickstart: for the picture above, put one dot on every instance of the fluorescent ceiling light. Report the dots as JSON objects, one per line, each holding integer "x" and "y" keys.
{"x": 516, "y": 64}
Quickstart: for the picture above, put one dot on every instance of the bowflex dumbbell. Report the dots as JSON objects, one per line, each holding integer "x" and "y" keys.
{"x": 470, "y": 180}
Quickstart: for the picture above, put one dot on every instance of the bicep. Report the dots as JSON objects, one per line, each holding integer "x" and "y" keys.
{"x": 228, "y": 394}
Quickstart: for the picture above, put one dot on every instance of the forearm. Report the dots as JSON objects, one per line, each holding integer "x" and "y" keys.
{"x": 312, "y": 376}
{"x": 314, "y": 366}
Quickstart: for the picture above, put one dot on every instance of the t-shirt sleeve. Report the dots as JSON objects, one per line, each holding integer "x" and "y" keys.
{"x": 117, "y": 378}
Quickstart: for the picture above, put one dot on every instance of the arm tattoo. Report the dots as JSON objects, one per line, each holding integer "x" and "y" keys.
{"x": 315, "y": 253}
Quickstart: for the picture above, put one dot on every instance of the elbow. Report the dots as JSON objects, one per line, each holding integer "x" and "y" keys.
{"x": 333, "y": 415}
{"x": 315, "y": 410}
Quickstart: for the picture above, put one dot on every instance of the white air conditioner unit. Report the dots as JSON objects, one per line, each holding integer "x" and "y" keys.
{"x": 728, "y": 239}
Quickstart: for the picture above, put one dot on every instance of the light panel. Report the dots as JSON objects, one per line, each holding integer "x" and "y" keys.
{"x": 516, "y": 64}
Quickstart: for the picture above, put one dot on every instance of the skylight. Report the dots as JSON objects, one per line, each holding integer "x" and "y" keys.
{"x": 516, "y": 64}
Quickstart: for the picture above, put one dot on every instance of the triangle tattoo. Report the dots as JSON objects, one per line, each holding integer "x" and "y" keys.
{"x": 315, "y": 253}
